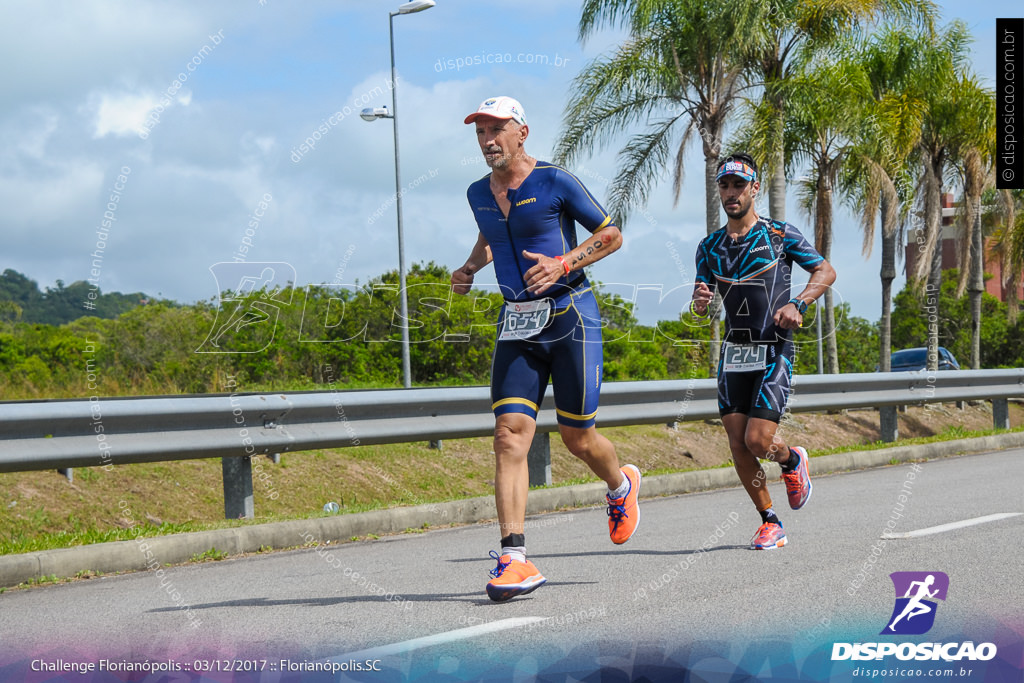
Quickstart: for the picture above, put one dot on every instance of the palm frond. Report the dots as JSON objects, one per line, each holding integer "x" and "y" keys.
{"x": 641, "y": 162}
{"x": 612, "y": 95}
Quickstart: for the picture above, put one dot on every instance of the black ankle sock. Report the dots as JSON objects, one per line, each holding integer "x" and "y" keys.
{"x": 514, "y": 541}
{"x": 769, "y": 516}
{"x": 791, "y": 464}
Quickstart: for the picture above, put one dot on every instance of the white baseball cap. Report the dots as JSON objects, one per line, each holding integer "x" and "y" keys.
{"x": 500, "y": 108}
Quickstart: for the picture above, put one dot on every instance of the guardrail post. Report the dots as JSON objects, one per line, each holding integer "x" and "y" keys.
{"x": 1000, "y": 413}
{"x": 69, "y": 474}
{"x": 539, "y": 459}
{"x": 887, "y": 423}
{"x": 237, "y": 487}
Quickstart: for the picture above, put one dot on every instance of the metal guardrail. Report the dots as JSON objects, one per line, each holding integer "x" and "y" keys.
{"x": 63, "y": 434}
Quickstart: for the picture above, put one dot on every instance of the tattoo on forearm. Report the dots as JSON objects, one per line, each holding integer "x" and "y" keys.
{"x": 591, "y": 248}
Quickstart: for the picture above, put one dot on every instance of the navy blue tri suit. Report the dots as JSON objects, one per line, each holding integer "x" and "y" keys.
{"x": 542, "y": 219}
{"x": 753, "y": 276}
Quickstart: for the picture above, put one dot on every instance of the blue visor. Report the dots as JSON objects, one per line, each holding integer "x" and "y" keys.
{"x": 737, "y": 168}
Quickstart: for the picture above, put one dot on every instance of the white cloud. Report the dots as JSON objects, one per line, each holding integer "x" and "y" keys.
{"x": 120, "y": 113}
{"x": 125, "y": 114}
{"x": 68, "y": 47}
{"x": 28, "y": 133}
{"x": 57, "y": 195}
{"x": 92, "y": 74}
{"x": 40, "y": 185}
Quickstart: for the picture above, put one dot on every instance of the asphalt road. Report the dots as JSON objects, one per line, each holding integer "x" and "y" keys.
{"x": 685, "y": 594}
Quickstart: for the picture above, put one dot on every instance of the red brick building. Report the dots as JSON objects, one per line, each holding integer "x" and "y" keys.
{"x": 950, "y": 258}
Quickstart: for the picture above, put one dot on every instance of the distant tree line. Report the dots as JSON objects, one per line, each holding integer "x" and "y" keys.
{"x": 21, "y": 299}
{"x": 322, "y": 336}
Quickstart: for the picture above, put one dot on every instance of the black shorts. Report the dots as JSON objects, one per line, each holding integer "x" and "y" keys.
{"x": 758, "y": 393}
{"x": 568, "y": 351}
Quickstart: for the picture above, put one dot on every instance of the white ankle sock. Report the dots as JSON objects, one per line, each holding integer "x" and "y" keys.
{"x": 621, "y": 491}
{"x": 516, "y": 552}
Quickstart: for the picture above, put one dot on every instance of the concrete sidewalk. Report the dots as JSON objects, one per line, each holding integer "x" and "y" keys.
{"x": 173, "y": 549}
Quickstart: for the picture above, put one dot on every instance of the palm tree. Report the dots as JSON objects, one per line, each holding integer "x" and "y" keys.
{"x": 878, "y": 178}
{"x": 786, "y": 33}
{"x": 1008, "y": 247}
{"x": 976, "y": 165}
{"x": 679, "y": 73}
{"x": 820, "y": 130}
{"x": 949, "y": 92}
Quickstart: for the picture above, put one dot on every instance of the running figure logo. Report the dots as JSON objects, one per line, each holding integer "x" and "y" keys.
{"x": 247, "y": 317}
{"x": 914, "y": 612}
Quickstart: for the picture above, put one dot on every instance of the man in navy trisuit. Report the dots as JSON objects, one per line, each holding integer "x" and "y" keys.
{"x": 526, "y": 211}
{"x": 750, "y": 261}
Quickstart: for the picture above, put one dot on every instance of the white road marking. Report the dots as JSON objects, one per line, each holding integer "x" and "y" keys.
{"x": 438, "y": 639}
{"x": 952, "y": 525}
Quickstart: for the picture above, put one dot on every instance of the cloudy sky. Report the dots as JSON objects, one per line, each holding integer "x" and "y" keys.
{"x": 203, "y": 109}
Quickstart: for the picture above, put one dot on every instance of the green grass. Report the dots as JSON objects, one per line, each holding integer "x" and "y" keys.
{"x": 84, "y": 536}
{"x": 952, "y": 433}
{"x": 42, "y": 511}
{"x": 87, "y": 536}
{"x": 211, "y": 554}
{"x": 572, "y": 481}
{"x": 41, "y": 581}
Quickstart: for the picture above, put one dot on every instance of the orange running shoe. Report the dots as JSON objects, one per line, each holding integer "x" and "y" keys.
{"x": 798, "y": 482}
{"x": 768, "y": 537}
{"x": 624, "y": 513}
{"x": 512, "y": 578}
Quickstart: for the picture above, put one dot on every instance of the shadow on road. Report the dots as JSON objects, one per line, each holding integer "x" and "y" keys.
{"x": 330, "y": 601}
{"x": 476, "y": 597}
{"x": 684, "y": 551}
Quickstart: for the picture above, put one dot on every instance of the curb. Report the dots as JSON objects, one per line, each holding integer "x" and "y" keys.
{"x": 132, "y": 555}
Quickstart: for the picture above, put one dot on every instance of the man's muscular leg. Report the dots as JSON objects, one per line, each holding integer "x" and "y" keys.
{"x": 751, "y": 439}
{"x": 747, "y": 464}
{"x": 513, "y": 433}
{"x": 763, "y": 439}
{"x": 595, "y": 450}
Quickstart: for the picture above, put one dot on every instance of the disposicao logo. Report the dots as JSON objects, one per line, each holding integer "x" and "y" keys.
{"x": 914, "y": 614}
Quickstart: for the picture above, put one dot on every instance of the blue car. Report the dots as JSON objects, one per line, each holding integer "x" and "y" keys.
{"x": 917, "y": 359}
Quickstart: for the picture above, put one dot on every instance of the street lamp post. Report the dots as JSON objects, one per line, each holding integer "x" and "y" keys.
{"x": 372, "y": 114}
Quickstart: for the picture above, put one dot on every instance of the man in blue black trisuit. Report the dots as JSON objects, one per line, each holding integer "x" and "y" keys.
{"x": 749, "y": 261}
{"x": 550, "y": 327}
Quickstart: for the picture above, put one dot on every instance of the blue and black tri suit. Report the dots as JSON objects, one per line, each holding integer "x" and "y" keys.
{"x": 542, "y": 219}
{"x": 753, "y": 277}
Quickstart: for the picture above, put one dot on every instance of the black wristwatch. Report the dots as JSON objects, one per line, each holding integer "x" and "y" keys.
{"x": 801, "y": 305}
